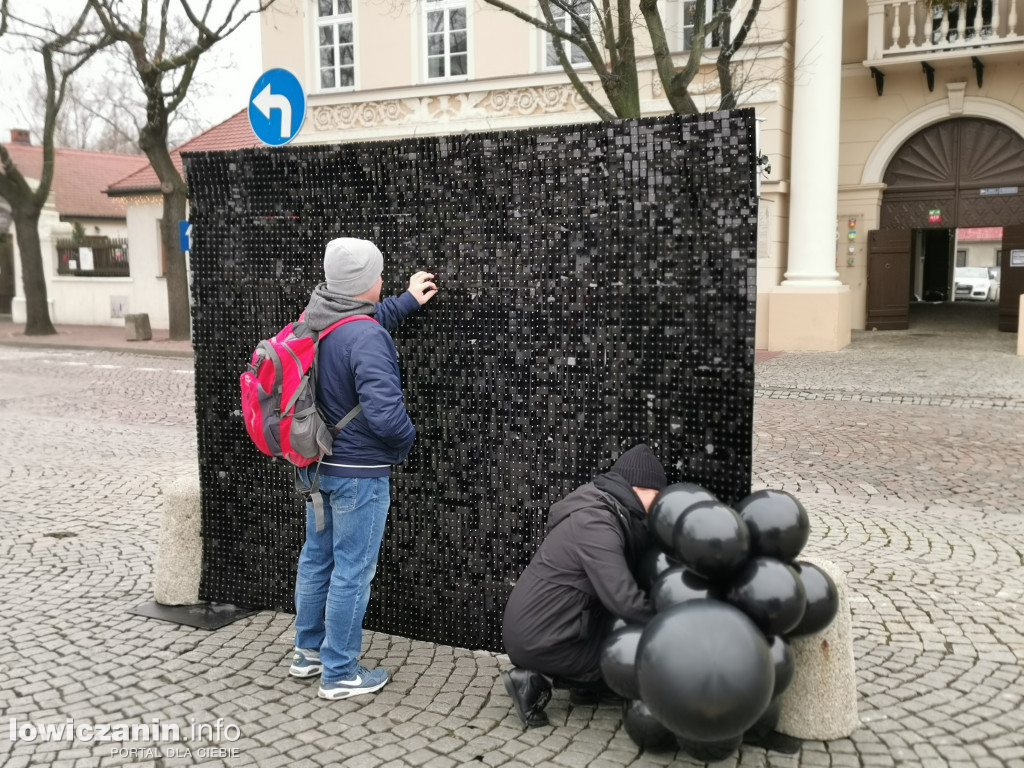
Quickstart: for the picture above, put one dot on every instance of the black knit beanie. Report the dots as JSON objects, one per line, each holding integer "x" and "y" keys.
{"x": 640, "y": 468}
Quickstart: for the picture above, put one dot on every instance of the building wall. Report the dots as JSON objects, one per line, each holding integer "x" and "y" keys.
{"x": 508, "y": 85}
{"x": 77, "y": 300}
{"x": 149, "y": 286}
{"x": 981, "y": 253}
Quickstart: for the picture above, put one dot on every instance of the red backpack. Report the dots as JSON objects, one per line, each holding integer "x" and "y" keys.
{"x": 279, "y": 399}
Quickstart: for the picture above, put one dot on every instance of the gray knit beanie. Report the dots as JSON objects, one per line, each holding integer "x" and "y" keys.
{"x": 351, "y": 266}
{"x": 640, "y": 468}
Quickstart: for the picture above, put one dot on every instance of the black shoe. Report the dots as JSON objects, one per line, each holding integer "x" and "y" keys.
{"x": 591, "y": 696}
{"x": 530, "y": 692}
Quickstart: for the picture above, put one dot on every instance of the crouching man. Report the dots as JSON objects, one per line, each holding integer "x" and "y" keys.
{"x": 578, "y": 582}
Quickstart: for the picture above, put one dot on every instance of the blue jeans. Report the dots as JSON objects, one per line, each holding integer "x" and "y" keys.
{"x": 336, "y": 567}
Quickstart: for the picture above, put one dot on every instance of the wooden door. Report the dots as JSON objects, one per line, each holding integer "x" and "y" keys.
{"x": 1011, "y": 279}
{"x": 888, "y": 303}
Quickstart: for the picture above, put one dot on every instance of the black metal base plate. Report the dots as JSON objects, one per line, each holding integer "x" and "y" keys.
{"x": 199, "y": 615}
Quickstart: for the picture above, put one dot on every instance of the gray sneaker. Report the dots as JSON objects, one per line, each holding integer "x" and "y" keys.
{"x": 305, "y": 663}
{"x": 365, "y": 681}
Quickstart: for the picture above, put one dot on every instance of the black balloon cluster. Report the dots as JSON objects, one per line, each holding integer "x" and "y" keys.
{"x": 707, "y": 671}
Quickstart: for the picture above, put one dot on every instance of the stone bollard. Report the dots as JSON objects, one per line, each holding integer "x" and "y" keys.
{"x": 1020, "y": 327}
{"x": 136, "y": 327}
{"x": 821, "y": 702}
{"x": 179, "y": 554}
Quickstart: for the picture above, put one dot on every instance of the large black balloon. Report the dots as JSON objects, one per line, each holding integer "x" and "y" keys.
{"x": 672, "y": 502}
{"x": 778, "y": 524}
{"x": 822, "y": 599}
{"x": 710, "y": 751}
{"x": 618, "y": 660}
{"x": 644, "y": 729}
{"x": 785, "y": 663}
{"x": 711, "y": 539}
{"x": 651, "y": 563}
{"x": 704, "y": 670}
{"x": 678, "y": 585}
{"x": 769, "y": 592}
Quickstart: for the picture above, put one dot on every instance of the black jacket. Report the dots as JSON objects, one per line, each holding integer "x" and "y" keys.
{"x": 578, "y": 580}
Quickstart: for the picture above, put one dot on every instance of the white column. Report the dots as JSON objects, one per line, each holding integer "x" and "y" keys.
{"x": 814, "y": 179}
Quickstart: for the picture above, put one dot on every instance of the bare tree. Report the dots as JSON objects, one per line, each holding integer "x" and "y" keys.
{"x": 164, "y": 54}
{"x": 103, "y": 110}
{"x": 604, "y": 33}
{"x": 63, "y": 53}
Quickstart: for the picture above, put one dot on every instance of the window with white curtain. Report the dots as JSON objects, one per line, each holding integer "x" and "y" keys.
{"x": 447, "y": 41}
{"x": 335, "y": 44}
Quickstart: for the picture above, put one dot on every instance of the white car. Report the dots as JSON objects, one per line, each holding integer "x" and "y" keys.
{"x": 971, "y": 284}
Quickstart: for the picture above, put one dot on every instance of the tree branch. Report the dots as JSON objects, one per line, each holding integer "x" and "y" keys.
{"x": 680, "y": 102}
{"x": 161, "y": 44}
{"x": 179, "y": 93}
{"x": 587, "y": 44}
{"x": 550, "y": 28}
{"x": 12, "y": 183}
{"x": 605, "y": 15}
{"x": 728, "y": 49}
{"x": 579, "y": 23}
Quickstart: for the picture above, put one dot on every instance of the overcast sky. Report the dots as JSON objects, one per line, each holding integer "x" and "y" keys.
{"x": 227, "y": 72}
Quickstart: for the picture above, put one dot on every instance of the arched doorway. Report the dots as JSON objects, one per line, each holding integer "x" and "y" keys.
{"x": 956, "y": 175}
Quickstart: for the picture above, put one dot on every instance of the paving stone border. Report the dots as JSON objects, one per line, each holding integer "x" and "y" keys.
{"x": 920, "y": 506}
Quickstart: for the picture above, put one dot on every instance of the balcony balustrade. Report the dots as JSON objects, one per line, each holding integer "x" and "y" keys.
{"x": 915, "y": 31}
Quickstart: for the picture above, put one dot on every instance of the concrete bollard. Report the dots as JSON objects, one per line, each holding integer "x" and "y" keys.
{"x": 1020, "y": 327}
{"x": 136, "y": 327}
{"x": 179, "y": 554}
{"x": 821, "y": 702}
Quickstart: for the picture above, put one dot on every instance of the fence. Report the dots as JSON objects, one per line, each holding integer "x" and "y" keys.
{"x": 93, "y": 257}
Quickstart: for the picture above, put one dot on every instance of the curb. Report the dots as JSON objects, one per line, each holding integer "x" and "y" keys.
{"x": 99, "y": 348}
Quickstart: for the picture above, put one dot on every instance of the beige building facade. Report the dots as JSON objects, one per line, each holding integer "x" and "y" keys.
{"x": 845, "y": 93}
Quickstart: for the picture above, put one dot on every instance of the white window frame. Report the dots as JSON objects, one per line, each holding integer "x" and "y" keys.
{"x": 709, "y": 12}
{"x": 334, "y": 21}
{"x": 444, "y": 6}
{"x": 565, "y": 23}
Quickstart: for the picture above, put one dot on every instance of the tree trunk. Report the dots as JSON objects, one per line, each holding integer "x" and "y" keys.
{"x": 178, "y": 307}
{"x": 153, "y": 141}
{"x": 33, "y": 277}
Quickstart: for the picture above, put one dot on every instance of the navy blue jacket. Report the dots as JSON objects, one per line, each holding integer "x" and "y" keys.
{"x": 358, "y": 364}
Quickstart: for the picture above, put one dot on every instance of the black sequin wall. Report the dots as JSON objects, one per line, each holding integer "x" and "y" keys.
{"x": 596, "y": 289}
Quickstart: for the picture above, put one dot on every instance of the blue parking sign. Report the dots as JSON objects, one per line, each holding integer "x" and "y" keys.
{"x": 184, "y": 236}
{"x": 277, "y": 107}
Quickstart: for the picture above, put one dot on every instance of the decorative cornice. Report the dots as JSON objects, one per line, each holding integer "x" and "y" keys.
{"x": 514, "y": 102}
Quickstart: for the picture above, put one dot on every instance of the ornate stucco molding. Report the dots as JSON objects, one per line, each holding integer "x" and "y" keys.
{"x": 514, "y": 102}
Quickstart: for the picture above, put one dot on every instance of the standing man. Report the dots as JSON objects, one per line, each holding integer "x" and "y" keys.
{"x": 357, "y": 364}
{"x": 579, "y": 581}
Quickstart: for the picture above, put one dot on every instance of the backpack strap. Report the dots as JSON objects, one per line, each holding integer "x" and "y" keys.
{"x": 313, "y": 493}
{"x": 312, "y": 370}
{"x": 341, "y": 322}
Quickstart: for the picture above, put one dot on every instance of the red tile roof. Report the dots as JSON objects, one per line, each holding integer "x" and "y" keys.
{"x": 79, "y": 178}
{"x": 233, "y": 133}
{"x": 979, "y": 233}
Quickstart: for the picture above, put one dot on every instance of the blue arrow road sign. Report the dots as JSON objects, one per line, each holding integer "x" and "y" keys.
{"x": 277, "y": 107}
{"x": 184, "y": 236}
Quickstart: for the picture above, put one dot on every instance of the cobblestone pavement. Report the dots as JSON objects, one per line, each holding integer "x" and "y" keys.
{"x": 910, "y": 472}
